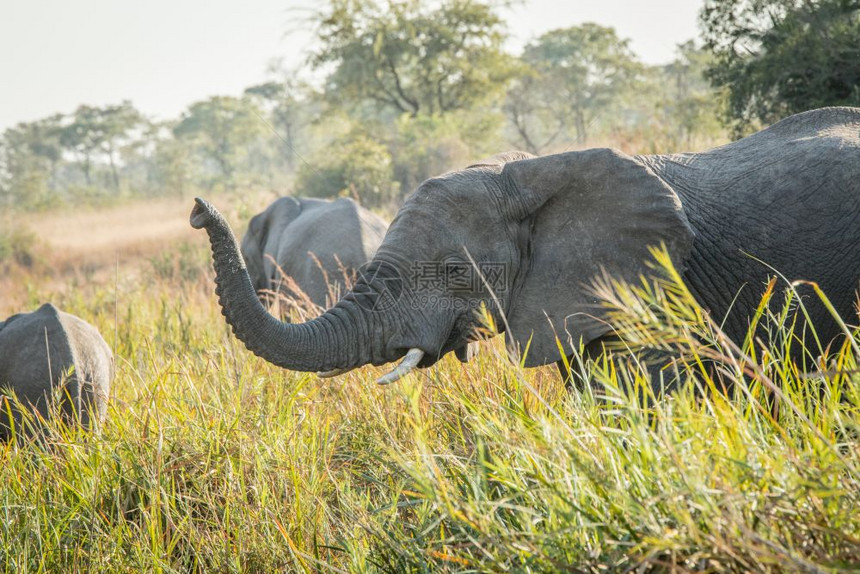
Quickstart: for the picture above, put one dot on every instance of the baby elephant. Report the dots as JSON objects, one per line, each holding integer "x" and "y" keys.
{"x": 47, "y": 356}
{"x": 314, "y": 242}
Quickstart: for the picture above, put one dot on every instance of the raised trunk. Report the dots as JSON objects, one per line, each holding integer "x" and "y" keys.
{"x": 335, "y": 340}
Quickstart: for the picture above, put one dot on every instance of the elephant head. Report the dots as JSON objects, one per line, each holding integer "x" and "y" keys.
{"x": 265, "y": 226}
{"x": 520, "y": 235}
{"x": 317, "y": 243}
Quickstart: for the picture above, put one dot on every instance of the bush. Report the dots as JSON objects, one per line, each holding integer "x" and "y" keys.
{"x": 17, "y": 245}
{"x": 428, "y": 146}
{"x": 361, "y": 168}
{"x": 186, "y": 263}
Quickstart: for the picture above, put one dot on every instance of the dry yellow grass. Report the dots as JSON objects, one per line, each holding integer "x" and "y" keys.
{"x": 101, "y": 246}
{"x": 211, "y": 459}
{"x": 83, "y": 234}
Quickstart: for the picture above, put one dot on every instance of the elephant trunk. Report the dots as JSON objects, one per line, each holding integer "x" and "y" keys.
{"x": 335, "y": 340}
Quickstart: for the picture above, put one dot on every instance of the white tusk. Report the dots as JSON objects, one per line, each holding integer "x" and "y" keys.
{"x": 409, "y": 362}
{"x": 333, "y": 373}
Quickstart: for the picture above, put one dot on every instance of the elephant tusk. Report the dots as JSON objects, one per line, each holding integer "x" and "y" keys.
{"x": 409, "y": 362}
{"x": 333, "y": 373}
{"x": 467, "y": 352}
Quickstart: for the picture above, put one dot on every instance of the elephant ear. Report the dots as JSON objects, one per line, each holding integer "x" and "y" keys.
{"x": 587, "y": 213}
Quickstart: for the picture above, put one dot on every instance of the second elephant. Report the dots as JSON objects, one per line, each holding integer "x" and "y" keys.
{"x": 50, "y": 355}
{"x": 315, "y": 242}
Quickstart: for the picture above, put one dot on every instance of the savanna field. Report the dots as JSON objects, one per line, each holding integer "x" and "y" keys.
{"x": 211, "y": 459}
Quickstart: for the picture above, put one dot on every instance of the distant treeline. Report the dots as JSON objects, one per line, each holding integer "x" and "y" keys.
{"x": 411, "y": 91}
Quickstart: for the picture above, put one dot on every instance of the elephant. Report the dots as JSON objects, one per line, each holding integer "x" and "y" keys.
{"x": 316, "y": 242}
{"x": 46, "y": 355}
{"x": 541, "y": 229}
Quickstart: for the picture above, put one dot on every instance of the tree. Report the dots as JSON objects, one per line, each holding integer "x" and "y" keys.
{"x": 536, "y": 116}
{"x": 362, "y": 169}
{"x": 681, "y": 102}
{"x": 29, "y": 156}
{"x": 222, "y": 127}
{"x": 573, "y": 75}
{"x": 170, "y": 163}
{"x": 410, "y": 58}
{"x": 94, "y": 131}
{"x": 284, "y": 100}
{"x": 779, "y": 57}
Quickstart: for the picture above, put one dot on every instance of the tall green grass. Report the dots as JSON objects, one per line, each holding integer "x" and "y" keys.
{"x": 212, "y": 460}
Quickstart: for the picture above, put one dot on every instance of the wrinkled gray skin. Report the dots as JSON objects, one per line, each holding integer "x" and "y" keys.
{"x": 788, "y": 196}
{"x": 37, "y": 352}
{"x": 341, "y": 235}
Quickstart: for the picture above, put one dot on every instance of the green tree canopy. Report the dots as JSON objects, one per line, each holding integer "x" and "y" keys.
{"x": 410, "y": 58}
{"x": 93, "y": 131}
{"x": 29, "y": 155}
{"x": 286, "y": 101}
{"x": 779, "y": 57}
{"x": 40, "y": 138}
{"x": 362, "y": 170}
{"x": 223, "y": 127}
{"x": 681, "y": 107}
{"x": 573, "y": 75}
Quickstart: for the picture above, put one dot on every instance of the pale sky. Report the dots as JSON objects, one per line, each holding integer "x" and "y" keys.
{"x": 165, "y": 54}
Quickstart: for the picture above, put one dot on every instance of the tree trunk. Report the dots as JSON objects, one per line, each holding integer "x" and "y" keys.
{"x": 113, "y": 169}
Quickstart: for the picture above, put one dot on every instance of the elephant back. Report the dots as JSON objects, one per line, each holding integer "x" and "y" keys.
{"x": 784, "y": 200}
{"x": 327, "y": 241}
{"x": 94, "y": 367}
{"x": 47, "y": 355}
{"x": 317, "y": 243}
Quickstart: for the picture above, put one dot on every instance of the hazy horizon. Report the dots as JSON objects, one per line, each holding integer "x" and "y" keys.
{"x": 163, "y": 56}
